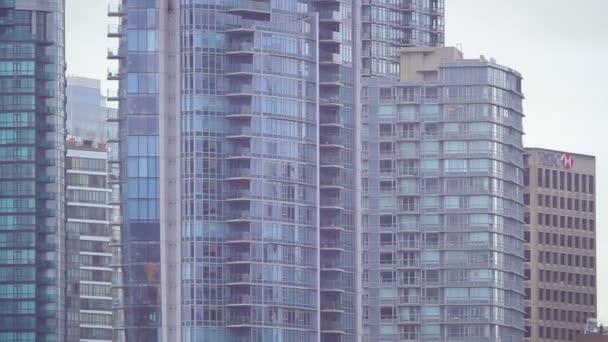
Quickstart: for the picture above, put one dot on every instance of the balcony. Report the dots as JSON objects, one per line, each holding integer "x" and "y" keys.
{"x": 239, "y": 195}
{"x": 114, "y": 53}
{"x": 239, "y": 132}
{"x": 240, "y": 48}
{"x": 334, "y": 224}
{"x": 331, "y": 265}
{"x": 331, "y": 182}
{"x": 331, "y": 327}
{"x": 330, "y": 79}
{"x": 239, "y": 173}
{"x": 113, "y": 115}
{"x": 115, "y": 31}
{"x": 240, "y": 112}
{"x": 330, "y": 100}
{"x": 240, "y": 153}
{"x": 239, "y": 237}
{"x": 239, "y": 69}
{"x": 333, "y": 160}
{"x": 334, "y": 119}
{"x": 240, "y": 299}
{"x": 334, "y": 140}
{"x": 331, "y": 306}
{"x": 240, "y": 90}
{"x": 333, "y": 244}
{"x": 114, "y": 95}
{"x": 250, "y": 8}
{"x": 238, "y": 215}
{"x": 115, "y": 74}
{"x": 240, "y": 278}
{"x": 329, "y": 17}
{"x": 330, "y": 202}
{"x": 116, "y": 10}
{"x": 332, "y": 37}
{"x": 330, "y": 58}
{"x": 239, "y": 257}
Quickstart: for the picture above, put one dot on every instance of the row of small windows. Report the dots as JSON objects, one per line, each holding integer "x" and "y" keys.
{"x": 561, "y": 221}
{"x": 564, "y": 259}
{"x": 87, "y": 164}
{"x": 556, "y": 277}
{"x": 553, "y": 334}
{"x": 95, "y": 290}
{"x": 559, "y": 296}
{"x": 569, "y": 181}
{"x": 566, "y": 240}
{"x": 559, "y": 202}
{"x": 95, "y": 318}
{"x": 568, "y": 316}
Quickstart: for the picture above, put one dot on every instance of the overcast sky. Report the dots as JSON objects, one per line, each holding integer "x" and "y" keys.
{"x": 561, "y": 48}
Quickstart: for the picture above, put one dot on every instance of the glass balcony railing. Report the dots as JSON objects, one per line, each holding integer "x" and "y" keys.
{"x": 250, "y": 5}
{"x": 239, "y": 68}
{"x": 240, "y": 47}
{"x": 115, "y": 30}
{"x": 115, "y": 9}
{"x": 329, "y": 16}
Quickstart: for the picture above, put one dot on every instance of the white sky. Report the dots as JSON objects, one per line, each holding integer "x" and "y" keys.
{"x": 559, "y": 46}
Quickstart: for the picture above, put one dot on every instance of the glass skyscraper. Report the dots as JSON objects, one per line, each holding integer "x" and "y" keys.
{"x": 238, "y": 126}
{"x": 87, "y": 110}
{"x": 442, "y": 227}
{"x": 32, "y": 148}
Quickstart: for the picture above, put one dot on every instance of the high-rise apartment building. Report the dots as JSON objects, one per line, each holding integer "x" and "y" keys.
{"x": 560, "y": 247}
{"x": 88, "y": 253}
{"x": 238, "y": 127}
{"x": 86, "y": 109}
{"x": 442, "y": 186}
{"x": 387, "y": 26}
{"x": 32, "y": 148}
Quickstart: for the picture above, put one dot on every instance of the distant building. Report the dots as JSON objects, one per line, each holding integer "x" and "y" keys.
{"x": 88, "y": 233}
{"x": 86, "y": 109}
{"x": 442, "y": 201}
{"x": 560, "y": 248}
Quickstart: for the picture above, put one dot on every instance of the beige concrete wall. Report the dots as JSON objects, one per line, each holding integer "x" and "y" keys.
{"x": 421, "y": 64}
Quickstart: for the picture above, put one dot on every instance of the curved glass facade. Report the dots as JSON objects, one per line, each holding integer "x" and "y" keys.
{"x": 32, "y": 149}
{"x": 443, "y": 207}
